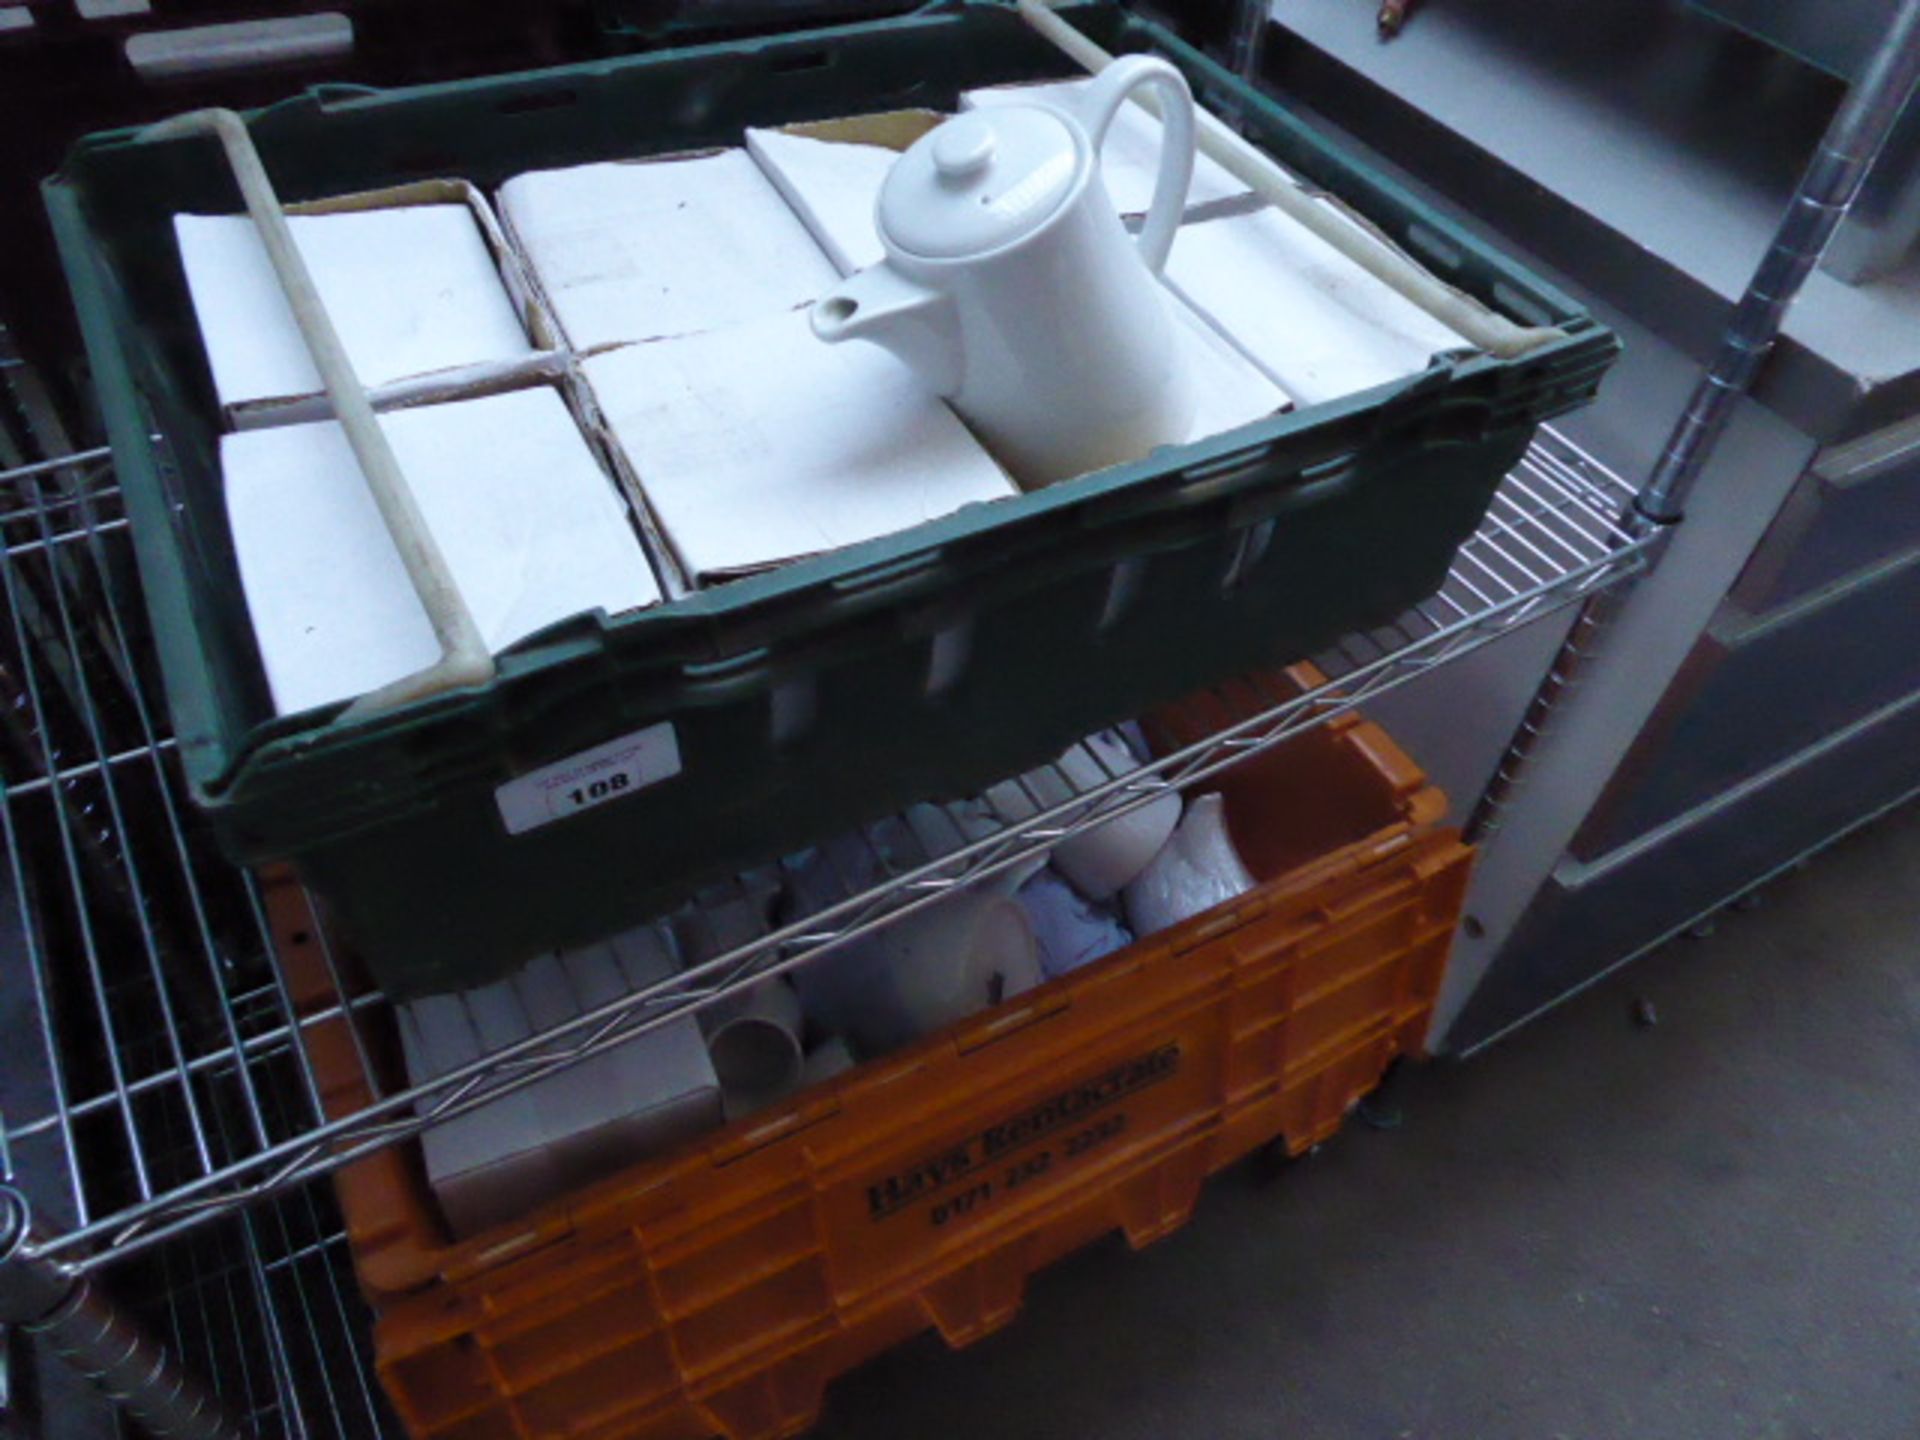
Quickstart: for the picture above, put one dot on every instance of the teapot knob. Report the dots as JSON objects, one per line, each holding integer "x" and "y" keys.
{"x": 963, "y": 147}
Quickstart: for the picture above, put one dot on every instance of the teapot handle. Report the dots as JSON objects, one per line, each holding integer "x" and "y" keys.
{"x": 1105, "y": 96}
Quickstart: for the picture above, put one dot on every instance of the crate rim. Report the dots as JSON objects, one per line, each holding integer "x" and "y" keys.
{"x": 216, "y": 769}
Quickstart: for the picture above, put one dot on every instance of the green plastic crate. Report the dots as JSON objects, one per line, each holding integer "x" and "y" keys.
{"x": 798, "y": 700}
{"x": 649, "y": 24}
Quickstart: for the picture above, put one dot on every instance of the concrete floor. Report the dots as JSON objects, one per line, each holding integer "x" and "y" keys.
{"x": 1707, "y": 1228}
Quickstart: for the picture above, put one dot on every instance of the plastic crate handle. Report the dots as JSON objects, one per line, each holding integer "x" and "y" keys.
{"x": 464, "y": 657}
{"x": 330, "y": 93}
{"x": 1364, "y": 245}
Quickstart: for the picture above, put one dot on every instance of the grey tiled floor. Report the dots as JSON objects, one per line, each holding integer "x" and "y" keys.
{"x": 1706, "y": 1228}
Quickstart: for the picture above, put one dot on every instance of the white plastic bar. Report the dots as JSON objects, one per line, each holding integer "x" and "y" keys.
{"x": 464, "y": 657}
{"x": 1374, "y": 253}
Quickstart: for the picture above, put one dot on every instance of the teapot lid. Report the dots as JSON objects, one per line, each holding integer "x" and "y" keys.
{"x": 981, "y": 181}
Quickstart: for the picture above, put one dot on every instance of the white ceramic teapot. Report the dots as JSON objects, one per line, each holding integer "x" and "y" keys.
{"x": 1012, "y": 287}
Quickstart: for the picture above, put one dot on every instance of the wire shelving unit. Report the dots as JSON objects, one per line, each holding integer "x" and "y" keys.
{"x": 165, "y": 1123}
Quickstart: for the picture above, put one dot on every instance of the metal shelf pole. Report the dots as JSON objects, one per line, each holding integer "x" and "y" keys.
{"x": 1827, "y": 189}
{"x": 67, "y": 1312}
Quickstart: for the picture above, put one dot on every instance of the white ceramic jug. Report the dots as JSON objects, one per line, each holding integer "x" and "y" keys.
{"x": 973, "y": 949}
{"x": 1100, "y": 862}
{"x": 1198, "y": 869}
{"x": 1012, "y": 287}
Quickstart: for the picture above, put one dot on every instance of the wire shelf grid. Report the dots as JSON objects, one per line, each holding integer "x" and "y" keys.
{"x": 169, "y": 1089}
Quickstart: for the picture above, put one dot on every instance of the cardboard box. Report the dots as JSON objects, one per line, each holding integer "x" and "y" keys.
{"x": 572, "y": 1104}
{"x": 530, "y": 524}
{"x": 490, "y": 1164}
{"x": 1130, "y": 157}
{"x": 1309, "y": 317}
{"x": 665, "y": 1083}
{"x": 419, "y": 281}
{"x": 757, "y": 444}
{"x": 830, "y": 172}
{"x": 626, "y": 1102}
{"x": 626, "y": 251}
{"x": 518, "y": 1151}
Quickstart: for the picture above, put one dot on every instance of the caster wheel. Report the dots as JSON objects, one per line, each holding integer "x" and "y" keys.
{"x": 1380, "y": 1112}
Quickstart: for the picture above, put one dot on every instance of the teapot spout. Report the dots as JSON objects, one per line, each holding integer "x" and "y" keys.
{"x": 916, "y": 323}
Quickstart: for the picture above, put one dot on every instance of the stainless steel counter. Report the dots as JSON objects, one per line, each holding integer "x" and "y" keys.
{"x": 1642, "y": 147}
{"x": 1756, "y": 698}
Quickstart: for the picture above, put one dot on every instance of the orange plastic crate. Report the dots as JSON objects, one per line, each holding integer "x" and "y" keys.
{"x": 718, "y": 1289}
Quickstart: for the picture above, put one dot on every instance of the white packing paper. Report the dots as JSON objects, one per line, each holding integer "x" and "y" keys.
{"x": 627, "y": 251}
{"x": 530, "y": 526}
{"x": 761, "y": 444}
{"x": 411, "y": 289}
{"x": 1229, "y": 389}
{"x": 833, "y": 186}
{"x": 1316, "y": 322}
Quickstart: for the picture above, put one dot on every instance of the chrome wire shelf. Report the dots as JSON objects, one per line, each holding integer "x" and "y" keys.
{"x": 168, "y": 1089}
{"x": 263, "y": 1307}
